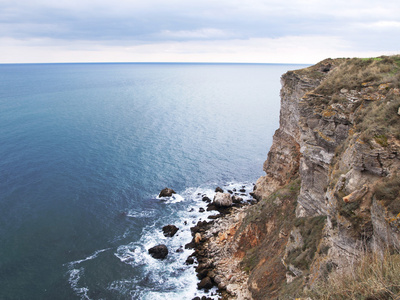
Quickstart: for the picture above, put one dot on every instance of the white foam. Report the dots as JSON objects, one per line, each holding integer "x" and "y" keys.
{"x": 74, "y": 276}
{"x": 175, "y": 198}
{"x": 170, "y": 278}
{"x": 90, "y": 257}
{"x": 141, "y": 214}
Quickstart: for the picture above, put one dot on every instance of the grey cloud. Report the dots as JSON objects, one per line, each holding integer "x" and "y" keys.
{"x": 140, "y": 22}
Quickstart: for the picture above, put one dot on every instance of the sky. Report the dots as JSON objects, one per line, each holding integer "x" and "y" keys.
{"x": 245, "y": 31}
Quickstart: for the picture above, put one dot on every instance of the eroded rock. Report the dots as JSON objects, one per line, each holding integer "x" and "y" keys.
{"x": 222, "y": 199}
{"x": 170, "y": 230}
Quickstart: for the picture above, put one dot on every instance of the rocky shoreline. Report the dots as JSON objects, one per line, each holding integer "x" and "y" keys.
{"x": 330, "y": 196}
{"x": 217, "y": 264}
{"x": 214, "y": 257}
{"x": 212, "y": 243}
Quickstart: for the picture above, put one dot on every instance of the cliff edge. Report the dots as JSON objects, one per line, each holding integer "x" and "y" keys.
{"x": 330, "y": 196}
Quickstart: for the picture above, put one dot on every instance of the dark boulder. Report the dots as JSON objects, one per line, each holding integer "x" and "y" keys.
{"x": 190, "y": 245}
{"x": 254, "y": 195}
{"x": 211, "y": 207}
{"x": 201, "y": 226}
{"x": 206, "y": 199}
{"x": 237, "y": 200}
{"x": 218, "y": 189}
{"x": 201, "y": 209}
{"x": 205, "y": 283}
{"x": 159, "y": 251}
{"x": 167, "y": 192}
{"x": 169, "y": 230}
{"x": 189, "y": 261}
{"x": 213, "y": 217}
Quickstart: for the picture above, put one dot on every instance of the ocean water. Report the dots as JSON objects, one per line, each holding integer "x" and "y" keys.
{"x": 86, "y": 148}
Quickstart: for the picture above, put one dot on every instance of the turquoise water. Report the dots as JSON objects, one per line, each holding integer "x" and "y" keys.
{"x": 86, "y": 148}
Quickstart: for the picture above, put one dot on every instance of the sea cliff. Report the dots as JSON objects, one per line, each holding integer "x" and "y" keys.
{"x": 330, "y": 196}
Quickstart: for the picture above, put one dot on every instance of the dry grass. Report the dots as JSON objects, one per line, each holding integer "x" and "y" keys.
{"x": 379, "y": 120}
{"x": 388, "y": 191}
{"x": 373, "y": 277}
{"x": 355, "y": 72}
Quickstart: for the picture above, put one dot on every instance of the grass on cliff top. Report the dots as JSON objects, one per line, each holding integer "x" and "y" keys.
{"x": 356, "y": 73}
{"x": 379, "y": 120}
{"x": 374, "y": 277}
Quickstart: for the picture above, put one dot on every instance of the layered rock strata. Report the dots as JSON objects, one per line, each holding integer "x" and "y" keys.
{"x": 331, "y": 189}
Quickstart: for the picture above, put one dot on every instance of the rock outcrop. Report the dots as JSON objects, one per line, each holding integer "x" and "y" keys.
{"x": 222, "y": 199}
{"x": 331, "y": 189}
{"x": 170, "y": 230}
{"x": 166, "y": 192}
{"x": 159, "y": 251}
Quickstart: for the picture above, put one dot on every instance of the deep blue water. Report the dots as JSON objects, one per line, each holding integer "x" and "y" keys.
{"x": 85, "y": 150}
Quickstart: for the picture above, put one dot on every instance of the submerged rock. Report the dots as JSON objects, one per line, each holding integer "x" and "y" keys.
{"x": 170, "y": 230}
{"x": 237, "y": 200}
{"x": 167, "y": 192}
{"x": 159, "y": 251}
{"x": 189, "y": 261}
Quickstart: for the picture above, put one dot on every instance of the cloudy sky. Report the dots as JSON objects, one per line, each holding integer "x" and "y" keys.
{"x": 262, "y": 31}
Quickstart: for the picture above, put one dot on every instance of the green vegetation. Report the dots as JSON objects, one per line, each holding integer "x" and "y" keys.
{"x": 361, "y": 226}
{"x": 374, "y": 277}
{"x": 262, "y": 238}
{"x": 376, "y": 113}
{"x": 270, "y": 206}
{"x": 311, "y": 231}
{"x": 250, "y": 261}
{"x": 388, "y": 191}
{"x": 381, "y": 139}
{"x": 364, "y": 96}
{"x": 375, "y": 83}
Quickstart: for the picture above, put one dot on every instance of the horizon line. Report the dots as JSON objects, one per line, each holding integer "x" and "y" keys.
{"x": 216, "y": 63}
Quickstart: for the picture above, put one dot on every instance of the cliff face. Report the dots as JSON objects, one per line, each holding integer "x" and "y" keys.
{"x": 331, "y": 189}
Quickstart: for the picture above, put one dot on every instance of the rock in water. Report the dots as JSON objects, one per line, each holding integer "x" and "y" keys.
{"x": 159, "y": 251}
{"x": 222, "y": 199}
{"x": 167, "y": 192}
{"x": 169, "y": 230}
{"x": 205, "y": 283}
{"x": 219, "y": 190}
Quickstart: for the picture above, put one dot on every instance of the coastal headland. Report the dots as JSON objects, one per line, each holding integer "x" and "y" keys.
{"x": 329, "y": 204}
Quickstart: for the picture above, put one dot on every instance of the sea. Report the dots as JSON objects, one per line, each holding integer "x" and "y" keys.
{"x": 85, "y": 150}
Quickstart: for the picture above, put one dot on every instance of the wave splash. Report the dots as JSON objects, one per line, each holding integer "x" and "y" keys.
{"x": 151, "y": 278}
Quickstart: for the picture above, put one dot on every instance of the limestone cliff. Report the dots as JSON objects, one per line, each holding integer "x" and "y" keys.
{"x": 331, "y": 189}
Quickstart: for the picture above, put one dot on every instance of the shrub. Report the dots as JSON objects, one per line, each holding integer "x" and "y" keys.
{"x": 373, "y": 277}
{"x": 388, "y": 191}
{"x": 311, "y": 230}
